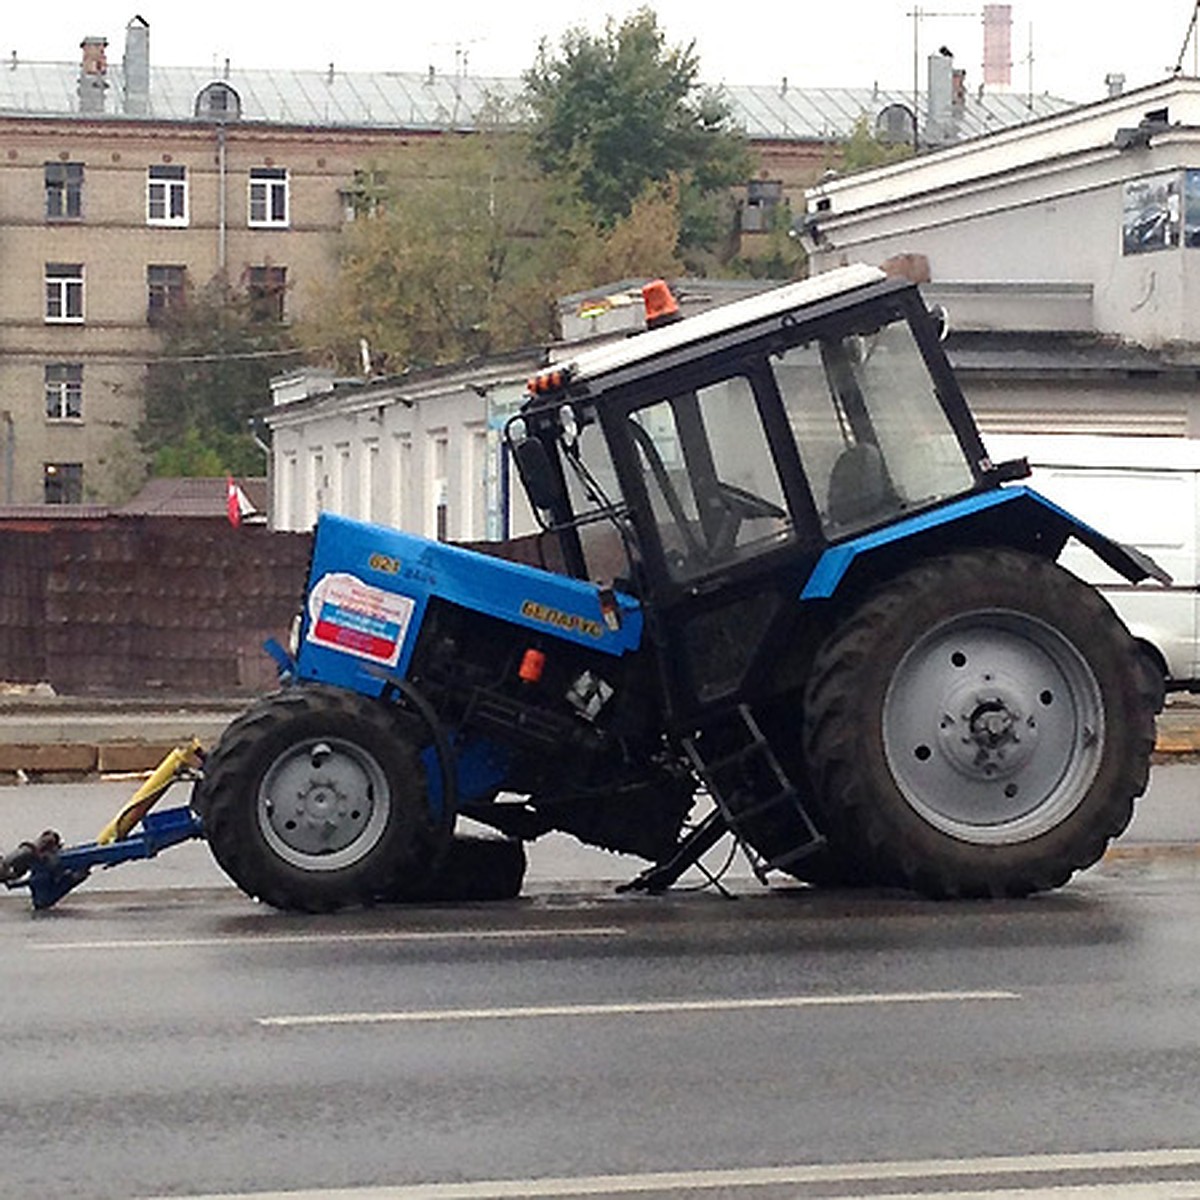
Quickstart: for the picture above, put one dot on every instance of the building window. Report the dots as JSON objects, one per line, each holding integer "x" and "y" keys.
{"x": 763, "y": 197}
{"x": 62, "y": 483}
{"x": 64, "y": 391}
{"x": 266, "y": 287}
{"x": 268, "y": 196}
{"x": 218, "y": 102}
{"x": 437, "y": 518}
{"x": 167, "y": 196}
{"x": 367, "y": 195}
{"x": 64, "y": 292}
{"x": 64, "y": 191}
{"x": 166, "y": 291}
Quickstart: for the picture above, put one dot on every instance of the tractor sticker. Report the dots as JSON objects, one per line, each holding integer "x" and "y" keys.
{"x": 352, "y": 616}
{"x": 568, "y": 622}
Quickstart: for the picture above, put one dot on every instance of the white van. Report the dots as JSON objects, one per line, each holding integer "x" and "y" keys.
{"x": 1145, "y": 492}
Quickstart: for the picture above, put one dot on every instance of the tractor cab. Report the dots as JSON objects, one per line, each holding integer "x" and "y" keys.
{"x": 707, "y": 465}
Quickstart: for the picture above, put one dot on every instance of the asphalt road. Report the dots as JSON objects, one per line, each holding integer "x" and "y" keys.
{"x": 183, "y": 1041}
{"x": 193, "y": 1044}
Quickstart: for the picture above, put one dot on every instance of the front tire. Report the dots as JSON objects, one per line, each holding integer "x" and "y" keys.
{"x": 979, "y": 727}
{"x": 315, "y": 799}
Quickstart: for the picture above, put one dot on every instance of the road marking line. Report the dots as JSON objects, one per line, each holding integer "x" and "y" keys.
{"x": 800, "y": 1174}
{"x": 329, "y": 938}
{"x": 1163, "y": 1189}
{"x": 632, "y": 1008}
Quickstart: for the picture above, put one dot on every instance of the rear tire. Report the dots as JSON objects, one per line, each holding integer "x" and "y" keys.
{"x": 980, "y": 727}
{"x": 315, "y": 799}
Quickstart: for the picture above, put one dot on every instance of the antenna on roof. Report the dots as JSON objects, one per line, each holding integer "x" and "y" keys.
{"x": 1190, "y": 36}
{"x": 918, "y": 14}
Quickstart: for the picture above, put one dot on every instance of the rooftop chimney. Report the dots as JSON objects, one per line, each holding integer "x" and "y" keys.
{"x": 136, "y": 100}
{"x": 93, "y": 75}
{"x": 997, "y": 45}
{"x": 1115, "y": 83}
{"x": 939, "y": 104}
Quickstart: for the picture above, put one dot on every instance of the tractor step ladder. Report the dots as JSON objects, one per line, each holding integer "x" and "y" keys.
{"x": 746, "y": 780}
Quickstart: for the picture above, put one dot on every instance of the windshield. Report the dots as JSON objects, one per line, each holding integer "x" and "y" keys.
{"x": 873, "y": 438}
{"x": 604, "y": 536}
{"x": 714, "y": 489}
{"x": 870, "y": 432}
{"x": 715, "y": 493}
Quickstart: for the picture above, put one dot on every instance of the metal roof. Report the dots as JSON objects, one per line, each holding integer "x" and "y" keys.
{"x": 431, "y": 101}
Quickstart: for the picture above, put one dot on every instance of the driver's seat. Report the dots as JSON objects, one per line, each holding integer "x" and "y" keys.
{"x": 858, "y": 486}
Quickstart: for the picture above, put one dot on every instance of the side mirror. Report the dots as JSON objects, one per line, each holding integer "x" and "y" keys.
{"x": 537, "y": 474}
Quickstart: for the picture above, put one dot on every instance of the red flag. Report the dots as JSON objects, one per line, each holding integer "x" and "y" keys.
{"x": 233, "y": 505}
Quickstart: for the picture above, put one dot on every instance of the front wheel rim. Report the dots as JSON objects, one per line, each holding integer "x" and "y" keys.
{"x": 324, "y": 804}
{"x": 993, "y": 727}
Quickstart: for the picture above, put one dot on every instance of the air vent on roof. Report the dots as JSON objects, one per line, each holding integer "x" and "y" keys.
{"x": 218, "y": 102}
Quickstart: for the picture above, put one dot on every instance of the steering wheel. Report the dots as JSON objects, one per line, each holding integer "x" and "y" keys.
{"x": 740, "y": 505}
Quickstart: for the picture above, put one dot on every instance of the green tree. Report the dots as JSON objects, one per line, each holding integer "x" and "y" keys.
{"x": 220, "y": 349}
{"x": 462, "y": 250}
{"x": 617, "y": 113}
{"x": 779, "y": 255}
{"x": 863, "y": 149}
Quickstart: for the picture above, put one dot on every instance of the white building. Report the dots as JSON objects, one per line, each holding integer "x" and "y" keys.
{"x": 423, "y": 451}
{"x": 419, "y": 452}
{"x": 1067, "y": 252}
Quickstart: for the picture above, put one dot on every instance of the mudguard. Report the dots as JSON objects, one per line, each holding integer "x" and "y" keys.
{"x": 1020, "y": 505}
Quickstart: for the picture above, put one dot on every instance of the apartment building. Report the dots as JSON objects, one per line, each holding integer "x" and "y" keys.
{"x": 107, "y": 219}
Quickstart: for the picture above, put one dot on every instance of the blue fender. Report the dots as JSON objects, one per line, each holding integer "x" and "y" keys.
{"x": 1020, "y": 505}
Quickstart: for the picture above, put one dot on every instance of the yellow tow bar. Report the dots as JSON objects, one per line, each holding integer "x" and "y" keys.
{"x": 181, "y": 759}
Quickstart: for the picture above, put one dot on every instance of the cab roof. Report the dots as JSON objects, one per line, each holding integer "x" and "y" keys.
{"x": 590, "y": 364}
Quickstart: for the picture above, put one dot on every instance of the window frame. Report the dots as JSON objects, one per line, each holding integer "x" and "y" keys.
{"x": 63, "y": 390}
{"x": 67, "y": 189}
{"x": 764, "y": 197}
{"x": 70, "y": 293}
{"x": 266, "y": 287}
{"x": 270, "y": 183}
{"x": 169, "y": 185}
{"x": 67, "y": 478}
{"x": 171, "y": 288}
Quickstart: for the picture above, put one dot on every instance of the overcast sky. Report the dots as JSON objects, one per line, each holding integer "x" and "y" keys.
{"x": 812, "y": 43}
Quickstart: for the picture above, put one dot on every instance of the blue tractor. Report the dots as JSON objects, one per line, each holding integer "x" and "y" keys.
{"x": 782, "y": 594}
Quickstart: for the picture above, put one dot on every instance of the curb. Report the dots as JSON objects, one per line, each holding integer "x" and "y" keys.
{"x": 1178, "y": 741}
{"x": 78, "y": 760}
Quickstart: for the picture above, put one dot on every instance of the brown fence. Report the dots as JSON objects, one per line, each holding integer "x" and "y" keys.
{"x": 137, "y": 605}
